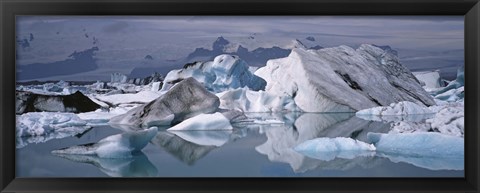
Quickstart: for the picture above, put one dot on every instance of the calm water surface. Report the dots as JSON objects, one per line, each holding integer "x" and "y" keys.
{"x": 251, "y": 150}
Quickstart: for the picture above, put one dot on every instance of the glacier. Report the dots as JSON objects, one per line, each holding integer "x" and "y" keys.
{"x": 122, "y": 145}
{"x": 186, "y": 99}
{"x": 327, "y": 149}
{"x": 223, "y": 73}
{"x": 366, "y": 77}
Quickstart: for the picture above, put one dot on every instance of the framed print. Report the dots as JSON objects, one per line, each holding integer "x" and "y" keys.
{"x": 255, "y": 96}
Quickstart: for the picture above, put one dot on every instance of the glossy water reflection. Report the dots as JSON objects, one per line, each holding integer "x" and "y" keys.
{"x": 263, "y": 148}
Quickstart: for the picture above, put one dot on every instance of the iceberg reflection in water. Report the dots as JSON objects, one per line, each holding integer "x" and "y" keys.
{"x": 261, "y": 147}
{"x": 136, "y": 166}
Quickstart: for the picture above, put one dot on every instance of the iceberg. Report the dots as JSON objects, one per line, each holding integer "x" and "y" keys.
{"x": 42, "y": 123}
{"x": 202, "y": 122}
{"x": 122, "y": 145}
{"x": 449, "y": 120}
{"x": 204, "y": 138}
{"x": 430, "y": 79}
{"x": 223, "y": 73}
{"x": 401, "y": 108}
{"x": 329, "y": 148}
{"x": 118, "y": 78}
{"x": 421, "y": 144}
{"x": 186, "y": 99}
{"x": 455, "y": 90}
{"x": 366, "y": 77}
{"x": 395, "y": 112}
{"x": 141, "y": 97}
{"x": 74, "y": 103}
{"x": 410, "y": 127}
{"x": 156, "y": 86}
{"x": 247, "y": 100}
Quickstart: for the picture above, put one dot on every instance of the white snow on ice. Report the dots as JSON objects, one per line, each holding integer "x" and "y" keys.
{"x": 215, "y": 138}
{"x": 247, "y": 100}
{"x": 41, "y": 123}
{"x": 138, "y": 98}
{"x": 202, "y": 122}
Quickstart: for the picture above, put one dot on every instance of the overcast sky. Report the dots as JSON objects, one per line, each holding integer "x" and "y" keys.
{"x": 124, "y": 42}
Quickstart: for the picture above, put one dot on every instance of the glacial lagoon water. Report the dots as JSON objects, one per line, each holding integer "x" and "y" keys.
{"x": 261, "y": 149}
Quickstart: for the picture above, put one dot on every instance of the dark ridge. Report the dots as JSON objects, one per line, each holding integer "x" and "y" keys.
{"x": 148, "y": 57}
{"x": 374, "y": 100}
{"x": 187, "y": 65}
{"x": 80, "y": 102}
{"x": 355, "y": 134}
{"x": 75, "y": 103}
{"x": 175, "y": 81}
{"x": 310, "y": 38}
{"x": 410, "y": 93}
{"x": 349, "y": 81}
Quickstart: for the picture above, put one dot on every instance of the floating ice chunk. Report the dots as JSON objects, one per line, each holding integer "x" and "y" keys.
{"x": 223, "y": 73}
{"x": 409, "y": 127}
{"x": 156, "y": 86}
{"x": 329, "y": 148}
{"x": 215, "y": 121}
{"x": 431, "y": 79}
{"x": 247, "y": 100}
{"x": 366, "y": 77}
{"x": 449, "y": 120}
{"x": 118, "y": 78}
{"x": 74, "y": 103}
{"x": 401, "y": 108}
{"x": 139, "y": 98}
{"x": 454, "y": 91}
{"x": 186, "y": 99}
{"x": 396, "y": 118}
{"x": 452, "y": 95}
{"x": 421, "y": 144}
{"x": 115, "y": 146}
{"x": 206, "y": 138}
{"x": 42, "y": 123}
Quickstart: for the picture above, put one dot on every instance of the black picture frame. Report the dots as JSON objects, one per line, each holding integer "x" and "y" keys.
{"x": 11, "y": 8}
